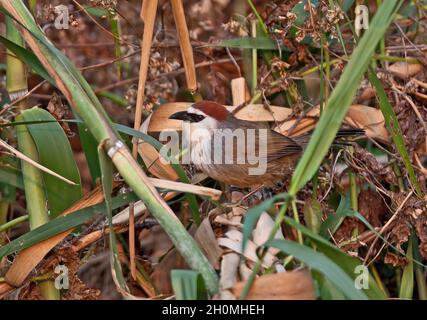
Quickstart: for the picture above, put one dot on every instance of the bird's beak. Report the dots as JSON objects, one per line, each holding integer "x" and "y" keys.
{"x": 181, "y": 115}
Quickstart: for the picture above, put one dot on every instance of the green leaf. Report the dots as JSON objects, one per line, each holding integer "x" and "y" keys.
{"x": 191, "y": 198}
{"x": 253, "y": 214}
{"x": 260, "y": 43}
{"x": 300, "y": 12}
{"x": 347, "y": 5}
{"x": 333, "y": 115}
{"x": 87, "y": 105}
{"x": 313, "y": 215}
{"x": 11, "y": 176}
{"x": 89, "y": 146}
{"x": 407, "y": 282}
{"x": 54, "y": 153}
{"x": 96, "y": 11}
{"x": 28, "y": 58}
{"x": 347, "y": 263}
{"x": 393, "y": 127}
{"x": 61, "y": 224}
{"x": 188, "y": 285}
{"x": 107, "y": 188}
{"x": 334, "y": 220}
{"x": 321, "y": 263}
{"x": 328, "y": 291}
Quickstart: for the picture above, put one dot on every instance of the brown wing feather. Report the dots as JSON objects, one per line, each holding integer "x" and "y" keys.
{"x": 278, "y": 145}
{"x": 281, "y": 146}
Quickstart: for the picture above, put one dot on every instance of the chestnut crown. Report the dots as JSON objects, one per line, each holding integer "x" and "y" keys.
{"x": 200, "y": 110}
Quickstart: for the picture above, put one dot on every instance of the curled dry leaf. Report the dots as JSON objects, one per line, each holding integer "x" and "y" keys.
{"x": 294, "y": 285}
{"x": 233, "y": 240}
{"x": 395, "y": 260}
{"x": 152, "y": 158}
{"x": 205, "y": 237}
{"x": 231, "y": 261}
{"x": 29, "y": 258}
{"x": 262, "y": 231}
{"x": 229, "y": 266}
{"x": 405, "y": 69}
{"x": 359, "y": 116}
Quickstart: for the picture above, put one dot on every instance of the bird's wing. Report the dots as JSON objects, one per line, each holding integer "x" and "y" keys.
{"x": 271, "y": 145}
{"x": 281, "y": 146}
{"x": 264, "y": 143}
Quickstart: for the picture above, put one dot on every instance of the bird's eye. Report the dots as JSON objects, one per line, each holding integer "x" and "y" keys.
{"x": 196, "y": 117}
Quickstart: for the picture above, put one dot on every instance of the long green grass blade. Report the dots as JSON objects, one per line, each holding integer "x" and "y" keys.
{"x": 393, "y": 127}
{"x": 61, "y": 224}
{"x": 188, "y": 285}
{"x": 322, "y": 264}
{"x": 86, "y": 104}
{"x": 107, "y": 188}
{"x": 11, "y": 176}
{"x": 28, "y": 58}
{"x": 344, "y": 261}
{"x": 253, "y": 214}
{"x": 260, "y": 43}
{"x": 407, "y": 282}
{"x": 331, "y": 119}
{"x": 54, "y": 153}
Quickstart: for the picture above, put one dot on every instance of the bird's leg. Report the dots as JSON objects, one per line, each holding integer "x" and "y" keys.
{"x": 232, "y": 190}
{"x": 266, "y": 193}
{"x": 253, "y": 191}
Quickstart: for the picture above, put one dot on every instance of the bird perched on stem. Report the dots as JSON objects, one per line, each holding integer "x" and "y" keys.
{"x": 238, "y": 152}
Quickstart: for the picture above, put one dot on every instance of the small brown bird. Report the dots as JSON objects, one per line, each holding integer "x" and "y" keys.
{"x": 239, "y": 152}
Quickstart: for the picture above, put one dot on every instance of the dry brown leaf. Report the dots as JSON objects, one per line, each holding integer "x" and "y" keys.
{"x": 152, "y": 159}
{"x": 29, "y": 258}
{"x": 360, "y": 116}
{"x": 233, "y": 240}
{"x": 240, "y": 91}
{"x": 205, "y": 237}
{"x": 405, "y": 69}
{"x": 294, "y": 285}
{"x": 262, "y": 231}
{"x": 214, "y": 194}
{"x": 229, "y": 267}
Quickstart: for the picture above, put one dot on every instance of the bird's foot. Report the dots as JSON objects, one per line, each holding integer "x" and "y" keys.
{"x": 241, "y": 198}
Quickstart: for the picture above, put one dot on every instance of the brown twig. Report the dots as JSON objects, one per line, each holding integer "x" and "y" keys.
{"x": 184, "y": 42}
{"x": 148, "y": 15}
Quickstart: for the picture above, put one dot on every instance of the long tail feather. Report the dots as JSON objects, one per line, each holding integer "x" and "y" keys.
{"x": 302, "y": 140}
{"x": 349, "y": 133}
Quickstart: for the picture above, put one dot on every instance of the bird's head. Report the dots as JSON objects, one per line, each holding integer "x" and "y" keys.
{"x": 203, "y": 114}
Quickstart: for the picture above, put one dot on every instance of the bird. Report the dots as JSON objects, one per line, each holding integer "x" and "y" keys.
{"x": 238, "y": 152}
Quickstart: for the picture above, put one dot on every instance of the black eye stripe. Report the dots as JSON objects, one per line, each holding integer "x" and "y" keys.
{"x": 193, "y": 117}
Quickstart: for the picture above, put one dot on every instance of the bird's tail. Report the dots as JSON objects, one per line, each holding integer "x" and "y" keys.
{"x": 344, "y": 133}
{"x": 340, "y": 138}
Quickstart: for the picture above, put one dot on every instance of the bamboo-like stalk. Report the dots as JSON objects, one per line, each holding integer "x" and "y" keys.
{"x": 116, "y": 30}
{"x": 168, "y": 220}
{"x": 33, "y": 6}
{"x": 16, "y": 80}
{"x": 185, "y": 44}
{"x": 4, "y": 209}
{"x": 148, "y": 15}
{"x": 10, "y": 224}
{"x": 254, "y": 59}
{"x": 35, "y": 197}
{"x": 16, "y": 83}
{"x": 84, "y": 101}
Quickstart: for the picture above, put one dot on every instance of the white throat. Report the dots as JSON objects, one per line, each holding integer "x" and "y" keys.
{"x": 201, "y": 134}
